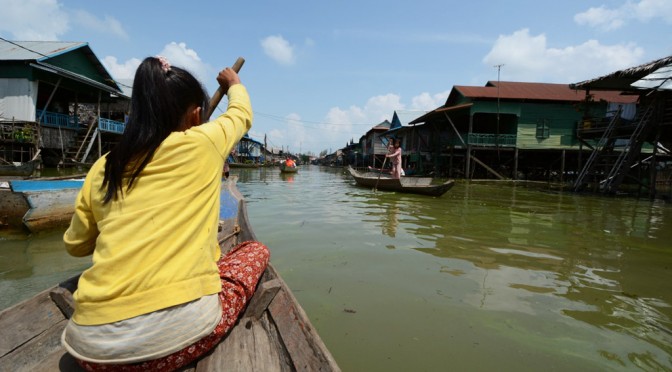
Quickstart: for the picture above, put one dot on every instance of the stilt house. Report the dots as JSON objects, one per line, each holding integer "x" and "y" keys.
{"x": 57, "y": 97}
{"x": 508, "y": 130}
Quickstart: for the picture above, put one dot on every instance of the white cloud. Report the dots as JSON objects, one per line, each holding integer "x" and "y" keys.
{"x": 48, "y": 20}
{"x": 528, "y": 58}
{"x": 106, "y": 25}
{"x": 33, "y": 20}
{"x": 125, "y": 70}
{"x": 340, "y": 125}
{"x": 278, "y": 49}
{"x": 606, "y": 19}
{"x": 427, "y": 102}
{"x": 181, "y": 56}
{"x": 178, "y": 54}
{"x": 610, "y": 19}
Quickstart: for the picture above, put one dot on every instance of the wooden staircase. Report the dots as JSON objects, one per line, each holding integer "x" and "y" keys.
{"x": 84, "y": 144}
{"x": 616, "y": 152}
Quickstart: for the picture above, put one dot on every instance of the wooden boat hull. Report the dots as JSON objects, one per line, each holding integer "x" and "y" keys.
{"x": 274, "y": 333}
{"x": 49, "y": 209}
{"x": 13, "y": 206}
{"x": 39, "y": 205}
{"x": 22, "y": 170}
{"x": 413, "y": 185}
{"x": 286, "y": 169}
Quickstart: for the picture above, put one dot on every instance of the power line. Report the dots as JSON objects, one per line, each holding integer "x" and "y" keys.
{"x": 70, "y": 66}
{"x": 304, "y": 122}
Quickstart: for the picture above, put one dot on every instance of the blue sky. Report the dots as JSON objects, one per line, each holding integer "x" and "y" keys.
{"x": 323, "y": 72}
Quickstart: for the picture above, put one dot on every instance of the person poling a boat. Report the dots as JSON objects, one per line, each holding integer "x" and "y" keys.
{"x": 158, "y": 294}
{"x": 395, "y": 157}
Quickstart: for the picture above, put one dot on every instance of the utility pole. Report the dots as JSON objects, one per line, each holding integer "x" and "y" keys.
{"x": 499, "y": 67}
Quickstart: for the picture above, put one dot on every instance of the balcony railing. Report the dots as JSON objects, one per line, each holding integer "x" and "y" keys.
{"x": 111, "y": 126}
{"x": 485, "y": 139}
{"x": 52, "y": 119}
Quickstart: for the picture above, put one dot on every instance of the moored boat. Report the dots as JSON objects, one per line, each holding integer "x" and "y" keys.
{"x": 18, "y": 170}
{"x": 413, "y": 185}
{"x": 39, "y": 204}
{"x": 273, "y": 334}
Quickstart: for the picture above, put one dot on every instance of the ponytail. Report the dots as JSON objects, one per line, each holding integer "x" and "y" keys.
{"x": 162, "y": 96}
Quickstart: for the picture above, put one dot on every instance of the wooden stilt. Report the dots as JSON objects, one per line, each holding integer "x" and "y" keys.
{"x": 515, "y": 164}
{"x": 562, "y": 167}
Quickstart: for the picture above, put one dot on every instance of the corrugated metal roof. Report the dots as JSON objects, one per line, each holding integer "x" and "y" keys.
{"x": 623, "y": 79}
{"x": 507, "y": 90}
{"x": 424, "y": 118}
{"x": 384, "y": 125}
{"x": 660, "y": 79}
{"x": 35, "y": 50}
{"x": 42, "y": 51}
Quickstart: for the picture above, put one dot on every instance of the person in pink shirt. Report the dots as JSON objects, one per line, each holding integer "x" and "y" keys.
{"x": 395, "y": 157}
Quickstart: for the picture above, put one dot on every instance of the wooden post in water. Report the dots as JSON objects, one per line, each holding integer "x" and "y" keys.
{"x": 562, "y": 167}
{"x": 515, "y": 163}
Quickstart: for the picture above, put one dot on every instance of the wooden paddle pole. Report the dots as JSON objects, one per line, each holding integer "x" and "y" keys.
{"x": 219, "y": 93}
{"x": 379, "y": 174}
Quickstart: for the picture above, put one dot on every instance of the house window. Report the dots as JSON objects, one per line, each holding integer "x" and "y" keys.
{"x": 543, "y": 129}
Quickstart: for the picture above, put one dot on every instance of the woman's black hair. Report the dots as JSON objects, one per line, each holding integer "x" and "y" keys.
{"x": 162, "y": 96}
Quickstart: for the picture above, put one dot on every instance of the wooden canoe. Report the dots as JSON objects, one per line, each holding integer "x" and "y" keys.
{"x": 285, "y": 169}
{"x": 413, "y": 185}
{"x": 39, "y": 204}
{"x": 274, "y": 333}
{"x": 21, "y": 170}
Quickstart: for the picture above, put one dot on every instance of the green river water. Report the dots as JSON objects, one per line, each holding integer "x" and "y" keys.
{"x": 490, "y": 276}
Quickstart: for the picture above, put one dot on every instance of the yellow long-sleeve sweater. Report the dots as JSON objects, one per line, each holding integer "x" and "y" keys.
{"x": 157, "y": 246}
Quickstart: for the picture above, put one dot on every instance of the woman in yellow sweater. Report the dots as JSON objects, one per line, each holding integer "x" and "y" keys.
{"x": 158, "y": 294}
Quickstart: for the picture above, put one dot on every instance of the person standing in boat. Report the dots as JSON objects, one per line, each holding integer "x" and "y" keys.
{"x": 158, "y": 295}
{"x": 395, "y": 157}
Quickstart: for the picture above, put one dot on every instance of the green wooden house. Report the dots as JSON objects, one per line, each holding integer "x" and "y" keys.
{"x": 512, "y": 130}
{"x": 61, "y": 97}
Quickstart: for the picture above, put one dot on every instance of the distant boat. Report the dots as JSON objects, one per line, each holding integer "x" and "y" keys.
{"x": 413, "y": 185}
{"x": 285, "y": 169}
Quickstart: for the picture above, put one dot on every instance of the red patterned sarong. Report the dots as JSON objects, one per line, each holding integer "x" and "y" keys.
{"x": 239, "y": 270}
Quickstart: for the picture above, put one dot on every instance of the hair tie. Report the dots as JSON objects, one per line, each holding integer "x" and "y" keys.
{"x": 165, "y": 65}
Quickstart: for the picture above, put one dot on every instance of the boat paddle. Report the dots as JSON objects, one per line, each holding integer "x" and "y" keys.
{"x": 219, "y": 93}
{"x": 379, "y": 174}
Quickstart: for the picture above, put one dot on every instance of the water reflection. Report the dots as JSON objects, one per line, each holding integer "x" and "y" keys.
{"x": 287, "y": 177}
{"x": 569, "y": 253}
{"x": 31, "y": 263}
{"x": 390, "y": 221}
